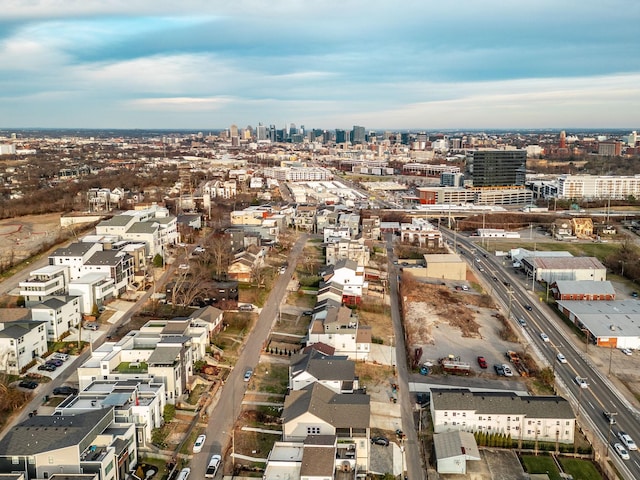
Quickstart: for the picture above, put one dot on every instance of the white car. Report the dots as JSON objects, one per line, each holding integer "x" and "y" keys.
{"x": 213, "y": 466}
{"x": 621, "y": 451}
{"x": 561, "y": 358}
{"x": 626, "y": 351}
{"x": 544, "y": 337}
{"x": 183, "y": 266}
{"x": 507, "y": 370}
{"x": 197, "y": 447}
{"x": 581, "y": 381}
{"x": 627, "y": 440}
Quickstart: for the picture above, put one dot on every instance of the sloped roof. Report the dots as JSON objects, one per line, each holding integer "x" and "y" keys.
{"x": 501, "y": 403}
{"x": 337, "y": 409}
{"x": 454, "y": 444}
{"x": 323, "y": 367}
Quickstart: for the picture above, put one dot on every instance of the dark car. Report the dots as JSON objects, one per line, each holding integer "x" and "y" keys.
{"x": 54, "y": 361}
{"x": 380, "y": 441}
{"x": 308, "y": 312}
{"x": 528, "y": 307}
{"x": 65, "y": 390}
{"x": 47, "y": 367}
{"x": 30, "y": 384}
{"x": 499, "y": 369}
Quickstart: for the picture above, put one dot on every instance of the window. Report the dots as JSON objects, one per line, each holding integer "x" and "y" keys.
{"x": 446, "y": 413}
{"x": 15, "y": 460}
{"x": 313, "y": 430}
{"x": 508, "y": 419}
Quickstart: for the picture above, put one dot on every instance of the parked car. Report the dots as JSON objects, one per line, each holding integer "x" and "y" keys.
{"x": 507, "y": 370}
{"x": 581, "y": 381}
{"x": 65, "y": 390}
{"x": 93, "y": 326}
{"x": 626, "y": 351}
{"x": 199, "y": 443}
{"x": 380, "y": 441}
{"x": 627, "y": 441}
{"x": 308, "y": 312}
{"x": 60, "y": 356}
{"x": 499, "y": 370}
{"x": 212, "y": 467}
{"x": 482, "y": 362}
{"x": 620, "y": 450}
{"x": 634, "y": 294}
{"x": 247, "y": 307}
{"x": 54, "y": 361}
{"x": 30, "y": 384}
{"x": 561, "y": 358}
{"x": 183, "y": 266}
{"x": 544, "y": 337}
{"x": 47, "y": 367}
{"x": 247, "y": 374}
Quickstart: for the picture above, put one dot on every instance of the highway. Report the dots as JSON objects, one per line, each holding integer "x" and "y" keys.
{"x": 589, "y": 403}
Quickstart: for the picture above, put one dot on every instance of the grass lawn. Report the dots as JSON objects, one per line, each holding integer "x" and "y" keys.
{"x": 541, "y": 464}
{"x": 270, "y": 378}
{"x": 580, "y": 469}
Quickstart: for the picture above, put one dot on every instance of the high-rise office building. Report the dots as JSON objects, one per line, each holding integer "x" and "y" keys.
{"x": 357, "y": 135}
{"x": 342, "y": 136}
{"x": 499, "y": 168}
{"x": 261, "y": 132}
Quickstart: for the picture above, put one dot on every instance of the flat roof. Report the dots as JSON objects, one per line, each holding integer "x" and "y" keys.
{"x": 606, "y": 318}
{"x": 443, "y": 258}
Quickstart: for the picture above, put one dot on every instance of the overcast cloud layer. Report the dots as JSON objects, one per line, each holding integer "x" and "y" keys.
{"x": 324, "y": 64}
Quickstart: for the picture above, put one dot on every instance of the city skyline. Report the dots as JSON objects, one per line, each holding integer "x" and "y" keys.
{"x": 413, "y": 66}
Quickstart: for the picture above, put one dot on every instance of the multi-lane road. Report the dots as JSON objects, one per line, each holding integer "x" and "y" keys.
{"x": 515, "y": 293}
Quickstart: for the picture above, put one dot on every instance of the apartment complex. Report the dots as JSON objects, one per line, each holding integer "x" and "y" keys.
{"x": 598, "y": 186}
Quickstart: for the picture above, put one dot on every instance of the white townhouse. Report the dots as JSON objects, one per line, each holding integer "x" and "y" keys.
{"x": 74, "y": 256}
{"x": 61, "y": 314}
{"x": 21, "y": 339}
{"x": 349, "y": 276}
{"x": 93, "y": 289}
{"x": 529, "y": 418}
{"x": 117, "y": 265}
{"x": 44, "y": 282}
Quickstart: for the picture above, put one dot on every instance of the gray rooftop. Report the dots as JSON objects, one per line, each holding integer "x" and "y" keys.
{"x": 606, "y": 318}
{"x": 454, "y": 444}
{"x": 566, "y": 263}
{"x": 585, "y": 287}
{"x": 501, "y": 403}
{"x": 43, "y": 433}
{"x": 337, "y": 409}
{"x": 77, "y": 249}
{"x": 19, "y": 328}
{"x": 143, "y": 227}
{"x": 106, "y": 257}
{"x": 164, "y": 355}
{"x": 117, "y": 221}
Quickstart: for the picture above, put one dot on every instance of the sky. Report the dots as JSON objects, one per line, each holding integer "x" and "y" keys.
{"x": 411, "y": 64}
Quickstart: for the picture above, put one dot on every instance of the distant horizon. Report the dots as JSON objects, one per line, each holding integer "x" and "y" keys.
{"x": 568, "y": 130}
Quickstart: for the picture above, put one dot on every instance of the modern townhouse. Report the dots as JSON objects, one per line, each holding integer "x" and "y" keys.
{"x": 22, "y": 339}
{"x": 44, "y": 282}
{"x": 527, "y": 418}
{"x": 93, "y": 289}
{"x": 137, "y": 401}
{"x": 90, "y": 443}
{"x": 117, "y": 265}
{"x": 74, "y": 256}
{"x": 62, "y": 313}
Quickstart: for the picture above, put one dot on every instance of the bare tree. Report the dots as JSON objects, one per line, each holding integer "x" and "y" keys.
{"x": 218, "y": 250}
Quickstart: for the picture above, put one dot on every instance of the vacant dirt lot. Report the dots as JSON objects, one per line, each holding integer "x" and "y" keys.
{"x": 444, "y": 322}
{"x": 20, "y": 237}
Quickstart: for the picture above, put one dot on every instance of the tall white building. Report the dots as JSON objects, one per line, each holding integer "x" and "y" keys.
{"x": 596, "y": 186}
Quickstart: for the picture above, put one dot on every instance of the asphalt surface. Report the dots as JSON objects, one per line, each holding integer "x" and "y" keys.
{"x": 219, "y": 428}
{"x": 412, "y": 453}
{"x": 589, "y": 403}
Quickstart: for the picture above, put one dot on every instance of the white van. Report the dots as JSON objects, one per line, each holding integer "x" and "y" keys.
{"x": 60, "y": 356}
{"x": 184, "y": 474}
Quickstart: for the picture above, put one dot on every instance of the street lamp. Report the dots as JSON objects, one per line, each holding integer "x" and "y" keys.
{"x": 586, "y": 339}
